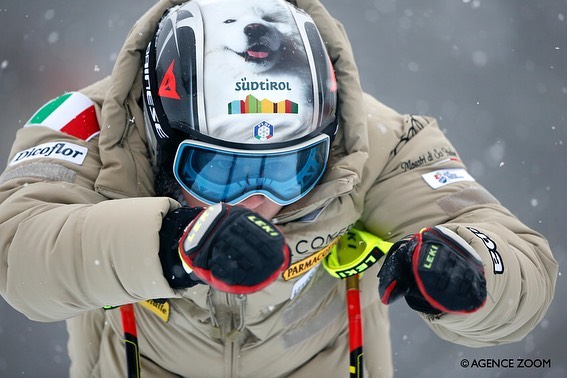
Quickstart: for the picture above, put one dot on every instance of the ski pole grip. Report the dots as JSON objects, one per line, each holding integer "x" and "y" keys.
{"x": 355, "y": 252}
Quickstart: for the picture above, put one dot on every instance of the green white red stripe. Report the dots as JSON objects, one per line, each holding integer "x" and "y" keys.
{"x": 72, "y": 113}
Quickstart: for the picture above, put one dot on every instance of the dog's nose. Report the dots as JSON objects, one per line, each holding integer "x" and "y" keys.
{"x": 255, "y": 30}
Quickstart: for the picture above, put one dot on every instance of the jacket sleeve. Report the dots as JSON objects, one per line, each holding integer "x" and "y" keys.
{"x": 424, "y": 183}
{"x": 66, "y": 249}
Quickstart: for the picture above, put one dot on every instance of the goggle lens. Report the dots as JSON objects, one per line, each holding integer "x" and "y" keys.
{"x": 215, "y": 174}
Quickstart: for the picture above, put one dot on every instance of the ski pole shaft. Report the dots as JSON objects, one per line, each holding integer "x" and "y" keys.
{"x": 355, "y": 252}
{"x": 130, "y": 341}
{"x": 355, "y": 327}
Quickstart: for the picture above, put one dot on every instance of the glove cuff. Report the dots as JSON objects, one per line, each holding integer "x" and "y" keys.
{"x": 172, "y": 228}
{"x": 419, "y": 303}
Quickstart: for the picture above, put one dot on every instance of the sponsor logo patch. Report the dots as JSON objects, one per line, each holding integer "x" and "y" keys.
{"x": 54, "y": 150}
{"x": 307, "y": 263}
{"x": 440, "y": 178}
{"x": 158, "y": 307}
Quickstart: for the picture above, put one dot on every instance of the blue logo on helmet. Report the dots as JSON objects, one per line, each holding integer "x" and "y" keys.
{"x": 263, "y": 131}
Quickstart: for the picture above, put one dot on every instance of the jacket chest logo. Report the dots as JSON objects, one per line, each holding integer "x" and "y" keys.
{"x": 308, "y": 263}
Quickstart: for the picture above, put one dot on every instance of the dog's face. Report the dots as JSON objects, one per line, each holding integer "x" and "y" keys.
{"x": 251, "y": 31}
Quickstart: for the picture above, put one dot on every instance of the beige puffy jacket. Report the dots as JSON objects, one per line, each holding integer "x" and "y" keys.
{"x": 74, "y": 238}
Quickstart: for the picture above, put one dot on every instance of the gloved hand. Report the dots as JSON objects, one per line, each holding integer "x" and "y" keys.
{"x": 172, "y": 228}
{"x": 436, "y": 271}
{"x": 233, "y": 249}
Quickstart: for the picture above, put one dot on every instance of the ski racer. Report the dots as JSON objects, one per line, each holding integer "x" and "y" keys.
{"x": 206, "y": 179}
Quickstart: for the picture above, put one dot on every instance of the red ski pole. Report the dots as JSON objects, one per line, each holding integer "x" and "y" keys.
{"x": 355, "y": 252}
{"x": 354, "y": 327}
{"x": 130, "y": 341}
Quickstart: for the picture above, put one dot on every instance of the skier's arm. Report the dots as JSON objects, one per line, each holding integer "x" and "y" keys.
{"x": 62, "y": 254}
{"x": 425, "y": 184}
{"x": 65, "y": 248}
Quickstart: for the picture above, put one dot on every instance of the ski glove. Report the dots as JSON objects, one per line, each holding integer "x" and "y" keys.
{"x": 436, "y": 271}
{"x": 233, "y": 249}
{"x": 172, "y": 228}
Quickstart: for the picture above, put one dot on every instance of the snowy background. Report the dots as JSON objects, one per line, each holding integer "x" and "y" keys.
{"x": 493, "y": 72}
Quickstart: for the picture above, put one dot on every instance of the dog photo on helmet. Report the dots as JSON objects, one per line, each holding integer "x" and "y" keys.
{"x": 256, "y": 65}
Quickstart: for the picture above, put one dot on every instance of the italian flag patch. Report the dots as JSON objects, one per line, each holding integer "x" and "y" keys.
{"x": 73, "y": 114}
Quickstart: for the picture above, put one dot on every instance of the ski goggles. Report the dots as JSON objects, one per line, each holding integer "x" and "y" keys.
{"x": 216, "y": 174}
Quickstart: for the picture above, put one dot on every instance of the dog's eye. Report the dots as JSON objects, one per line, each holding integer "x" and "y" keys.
{"x": 269, "y": 19}
{"x": 229, "y": 21}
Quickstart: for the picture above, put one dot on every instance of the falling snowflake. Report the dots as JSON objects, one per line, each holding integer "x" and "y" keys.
{"x": 49, "y": 14}
{"x": 53, "y": 37}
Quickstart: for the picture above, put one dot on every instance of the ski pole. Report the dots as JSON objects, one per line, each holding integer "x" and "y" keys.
{"x": 354, "y": 327}
{"x": 130, "y": 341}
{"x": 355, "y": 252}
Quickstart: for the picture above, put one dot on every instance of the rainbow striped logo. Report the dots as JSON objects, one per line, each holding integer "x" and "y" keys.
{"x": 254, "y": 106}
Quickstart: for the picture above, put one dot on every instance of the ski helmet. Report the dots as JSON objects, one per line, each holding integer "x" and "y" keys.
{"x": 245, "y": 80}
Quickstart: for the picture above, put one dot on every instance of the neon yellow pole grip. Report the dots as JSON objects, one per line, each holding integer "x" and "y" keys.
{"x": 355, "y": 252}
